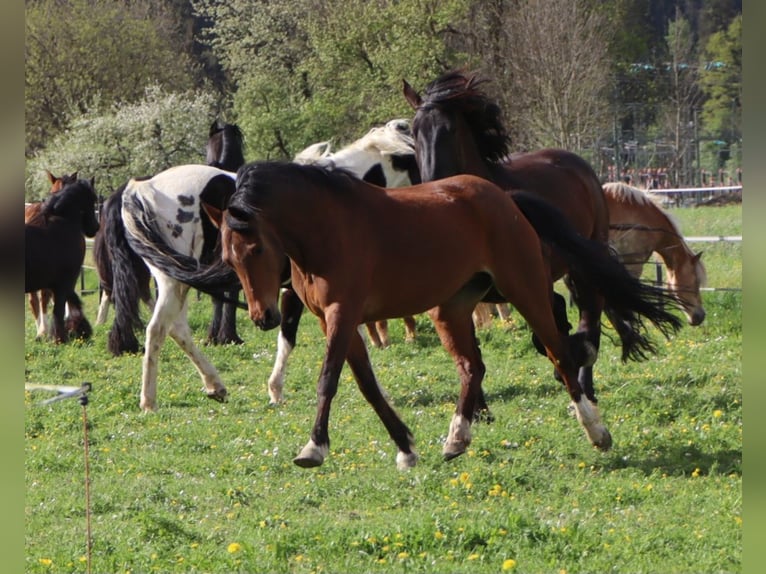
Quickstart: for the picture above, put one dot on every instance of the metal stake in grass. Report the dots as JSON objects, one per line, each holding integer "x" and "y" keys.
{"x": 81, "y": 394}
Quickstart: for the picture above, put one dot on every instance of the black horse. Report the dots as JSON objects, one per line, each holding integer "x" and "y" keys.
{"x": 54, "y": 245}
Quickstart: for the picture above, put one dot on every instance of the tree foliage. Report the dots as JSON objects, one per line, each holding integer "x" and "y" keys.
{"x": 131, "y": 140}
{"x": 82, "y": 54}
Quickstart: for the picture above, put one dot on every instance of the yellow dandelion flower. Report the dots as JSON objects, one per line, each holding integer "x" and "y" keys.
{"x": 46, "y": 561}
{"x": 438, "y": 535}
{"x": 403, "y": 555}
{"x": 509, "y": 564}
{"x": 474, "y": 556}
{"x": 234, "y": 547}
{"x": 696, "y": 472}
{"x": 718, "y": 413}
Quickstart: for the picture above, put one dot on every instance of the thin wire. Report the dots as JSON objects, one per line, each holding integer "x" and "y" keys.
{"x": 88, "y": 542}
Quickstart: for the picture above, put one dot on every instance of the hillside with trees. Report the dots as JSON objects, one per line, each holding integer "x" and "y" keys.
{"x": 114, "y": 89}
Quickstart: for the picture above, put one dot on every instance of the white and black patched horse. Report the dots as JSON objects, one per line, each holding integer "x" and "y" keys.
{"x": 224, "y": 150}
{"x": 163, "y": 218}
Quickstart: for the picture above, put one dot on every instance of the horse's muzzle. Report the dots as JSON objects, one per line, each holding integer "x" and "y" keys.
{"x": 696, "y": 317}
{"x": 269, "y": 320}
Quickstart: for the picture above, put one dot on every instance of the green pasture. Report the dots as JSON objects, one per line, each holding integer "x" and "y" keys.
{"x": 207, "y": 487}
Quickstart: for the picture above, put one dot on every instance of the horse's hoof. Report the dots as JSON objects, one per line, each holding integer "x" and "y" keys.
{"x": 450, "y": 454}
{"x": 311, "y": 455}
{"x": 406, "y": 460}
{"x": 604, "y": 443}
{"x": 218, "y": 395}
{"x": 483, "y": 416}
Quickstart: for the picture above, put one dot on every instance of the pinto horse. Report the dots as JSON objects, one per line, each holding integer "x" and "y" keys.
{"x": 384, "y": 156}
{"x": 457, "y": 129}
{"x": 639, "y": 227}
{"x": 55, "y": 250}
{"x": 168, "y": 206}
{"x": 360, "y": 271}
{"x": 225, "y": 151}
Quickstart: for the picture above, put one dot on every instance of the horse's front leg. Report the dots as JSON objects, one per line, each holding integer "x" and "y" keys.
{"x": 454, "y": 324}
{"x": 359, "y": 361}
{"x": 291, "y": 308}
{"x": 228, "y": 330}
{"x": 338, "y": 333}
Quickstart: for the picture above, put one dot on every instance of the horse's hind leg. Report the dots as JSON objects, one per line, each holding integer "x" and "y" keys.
{"x": 169, "y": 317}
{"x": 378, "y": 332}
{"x": 59, "y": 310}
{"x": 103, "y": 307}
{"x": 291, "y": 308}
{"x": 454, "y": 324}
{"x": 525, "y": 295}
{"x": 39, "y": 314}
{"x": 591, "y": 305}
{"x": 409, "y": 329}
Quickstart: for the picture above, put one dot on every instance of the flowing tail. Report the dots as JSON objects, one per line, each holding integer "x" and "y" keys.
{"x": 146, "y": 238}
{"x": 627, "y": 299}
{"x": 125, "y": 281}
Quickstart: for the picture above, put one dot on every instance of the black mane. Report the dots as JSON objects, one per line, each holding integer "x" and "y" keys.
{"x": 459, "y": 93}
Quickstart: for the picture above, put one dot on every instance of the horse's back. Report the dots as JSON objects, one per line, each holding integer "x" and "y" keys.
{"x": 567, "y": 181}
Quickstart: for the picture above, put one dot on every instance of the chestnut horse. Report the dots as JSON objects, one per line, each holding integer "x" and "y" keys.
{"x": 638, "y": 227}
{"x": 457, "y": 129}
{"x": 54, "y": 245}
{"x": 388, "y": 253}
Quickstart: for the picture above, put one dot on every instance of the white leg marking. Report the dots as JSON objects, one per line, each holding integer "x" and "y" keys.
{"x": 459, "y": 436}
{"x": 406, "y": 460}
{"x": 103, "y": 309}
{"x": 312, "y": 455}
{"x": 588, "y": 415}
{"x": 277, "y": 378}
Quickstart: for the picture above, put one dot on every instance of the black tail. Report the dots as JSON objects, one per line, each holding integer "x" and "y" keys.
{"x": 626, "y": 298}
{"x": 146, "y": 238}
{"x": 125, "y": 287}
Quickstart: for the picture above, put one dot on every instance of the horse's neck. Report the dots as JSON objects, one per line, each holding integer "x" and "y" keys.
{"x": 670, "y": 245}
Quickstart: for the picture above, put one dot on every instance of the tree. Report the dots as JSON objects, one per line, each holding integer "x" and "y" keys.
{"x": 130, "y": 140}
{"x": 678, "y": 114}
{"x": 560, "y": 73}
{"x": 85, "y": 54}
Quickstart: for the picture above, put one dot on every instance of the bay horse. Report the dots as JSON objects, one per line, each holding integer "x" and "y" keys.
{"x": 395, "y": 252}
{"x": 638, "y": 227}
{"x": 384, "y": 156}
{"x": 55, "y": 249}
{"x": 457, "y": 129}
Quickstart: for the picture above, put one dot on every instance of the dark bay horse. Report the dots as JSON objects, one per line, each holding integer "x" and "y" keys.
{"x": 225, "y": 150}
{"x": 55, "y": 248}
{"x": 387, "y": 253}
{"x": 638, "y": 227}
{"x": 38, "y": 301}
{"x": 457, "y": 129}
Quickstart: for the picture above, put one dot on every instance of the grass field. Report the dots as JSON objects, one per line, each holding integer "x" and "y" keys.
{"x": 207, "y": 487}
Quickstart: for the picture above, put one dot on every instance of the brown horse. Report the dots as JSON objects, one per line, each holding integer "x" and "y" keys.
{"x": 39, "y": 300}
{"x": 457, "y": 129}
{"x": 55, "y": 248}
{"x": 639, "y": 227}
{"x": 362, "y": 253}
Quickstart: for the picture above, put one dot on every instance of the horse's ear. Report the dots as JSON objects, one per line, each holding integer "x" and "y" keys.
{"x": 92, "y": 181}
{"x": 73, "y": 177}
{"x": 52, "y": 178}
{"x": 214, "y": 128}
{"x": 412, "y": 97}
{"x": 215, "y": 214}
{"x": 697, "y": 256}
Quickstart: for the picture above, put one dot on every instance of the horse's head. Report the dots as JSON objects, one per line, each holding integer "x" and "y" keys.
{"x": 685, "y": 280}
{"x": 253, "y": 250}
{"x": 59, "y": 182}
{"x": 456, "y": 128}
{"x": 75, "y": 202}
